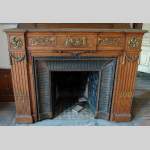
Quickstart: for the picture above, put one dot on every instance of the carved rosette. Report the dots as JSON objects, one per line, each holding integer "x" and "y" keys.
{"x": 16, "y": 42}
{"x": 110, "y": 41}
{"x": 42, "y": 41}
{"x": 134, "y": 42}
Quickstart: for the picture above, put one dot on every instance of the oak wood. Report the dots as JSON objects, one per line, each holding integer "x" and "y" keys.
{"x": 124, "y": 45}
{"x": 75, "y": 25}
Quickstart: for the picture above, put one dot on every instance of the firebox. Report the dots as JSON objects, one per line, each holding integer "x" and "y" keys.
{"x": 59, "y": 79}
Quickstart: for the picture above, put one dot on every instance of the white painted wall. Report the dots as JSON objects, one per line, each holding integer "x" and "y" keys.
{"x": 144, "y": 65}
{"x": 4, "y": 56}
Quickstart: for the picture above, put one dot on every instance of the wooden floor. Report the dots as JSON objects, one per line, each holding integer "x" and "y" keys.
{"x": 140, "y": 110}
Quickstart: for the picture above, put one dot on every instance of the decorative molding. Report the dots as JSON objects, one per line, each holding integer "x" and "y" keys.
{"x": 110, "y": 41}
{"x": 75, "y": 42}
{"x": 18, "y": 58}
{"x": 16, "y": 42}
{"x": 42, "y": 41}
{"x": 134, "y": 42}
{"x": 73, "y": 53}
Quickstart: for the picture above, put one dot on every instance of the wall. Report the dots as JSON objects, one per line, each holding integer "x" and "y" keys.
{"x": 4, "y": 57}
{"x": 6, "y": 90}
{"x": 144, "y": 65}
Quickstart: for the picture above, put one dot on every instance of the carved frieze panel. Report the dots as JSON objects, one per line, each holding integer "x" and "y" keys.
{"x": 62, "y": 41}
{"x": 75, "y": 42}
{"x": 16, "y": 42}
{"x": 42, "y": 41}
{"x": 110, "y": 42}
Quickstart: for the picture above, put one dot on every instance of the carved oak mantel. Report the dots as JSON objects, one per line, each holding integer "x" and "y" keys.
{"x": 25, "y": 44}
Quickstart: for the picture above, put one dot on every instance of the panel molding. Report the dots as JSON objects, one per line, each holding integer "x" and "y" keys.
{"x": 6, "y": 89}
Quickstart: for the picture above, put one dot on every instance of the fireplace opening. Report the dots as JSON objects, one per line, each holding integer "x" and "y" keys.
{"x": 72, "y": 83}
{"x": 70, "y": 89}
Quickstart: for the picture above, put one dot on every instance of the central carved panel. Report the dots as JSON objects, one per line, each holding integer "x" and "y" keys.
{"x": 76, "y": 42}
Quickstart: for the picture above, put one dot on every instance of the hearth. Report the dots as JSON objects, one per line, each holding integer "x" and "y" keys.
{"x": 52, "y": 65}
{"x": 61, "y": 79}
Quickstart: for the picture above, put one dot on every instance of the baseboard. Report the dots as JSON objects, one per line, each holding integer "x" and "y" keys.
{"x": 143, "y": 74}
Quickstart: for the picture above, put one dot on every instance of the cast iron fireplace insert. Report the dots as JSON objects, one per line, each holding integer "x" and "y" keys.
{"x": 73, "y": 74}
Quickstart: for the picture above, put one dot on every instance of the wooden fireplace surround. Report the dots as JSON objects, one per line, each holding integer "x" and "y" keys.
{"x": 25, "y": 44}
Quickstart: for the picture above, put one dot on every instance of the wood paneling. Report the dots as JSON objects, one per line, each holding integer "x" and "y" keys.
{"x": 6, "y": 90}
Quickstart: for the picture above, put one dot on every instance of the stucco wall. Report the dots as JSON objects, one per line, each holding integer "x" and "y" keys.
{"x": 4, "y": 57}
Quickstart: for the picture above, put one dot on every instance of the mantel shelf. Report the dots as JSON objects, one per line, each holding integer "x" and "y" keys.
{"x": 74, "y": 30}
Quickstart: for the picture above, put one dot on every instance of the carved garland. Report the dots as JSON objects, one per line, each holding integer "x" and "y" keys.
{"x": 16, "y": 58}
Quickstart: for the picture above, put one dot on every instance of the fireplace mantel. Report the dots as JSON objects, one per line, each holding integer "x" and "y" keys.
{"x": 27, "y": 44}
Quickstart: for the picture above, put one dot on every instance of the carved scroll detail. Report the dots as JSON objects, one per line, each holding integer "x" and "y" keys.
{"x": 16, "y": 42}
{"x": 42, "y": 41}
{"x": 76, "y": 42}
{"x": 110, "y": 41}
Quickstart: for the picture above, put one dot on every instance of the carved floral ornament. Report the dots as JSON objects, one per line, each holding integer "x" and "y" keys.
{"x": 134, "y": 42}
{"x": 16, "y": 42}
